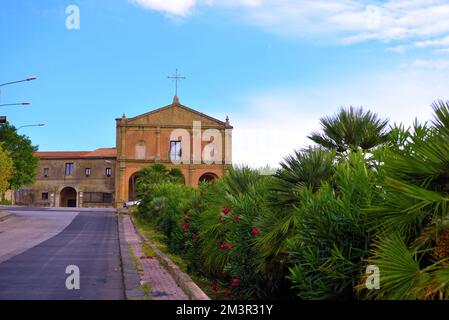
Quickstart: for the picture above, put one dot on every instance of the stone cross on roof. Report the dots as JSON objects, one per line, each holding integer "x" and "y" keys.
{"x": 176, "y": 77}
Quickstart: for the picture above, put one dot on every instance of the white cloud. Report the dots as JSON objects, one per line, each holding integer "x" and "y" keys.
{"x": 270, "y": 128}
{"x": 183, "y": 8}
{"x": 343, "y": 21}
{"x": 277, "y": 122}
{"x": 441, "y": 42}
{"x": 430, "y": 64}
{"x": 180, "y": 8}
{"x": 442, "y": 51}
{"x": 398, "y": 49}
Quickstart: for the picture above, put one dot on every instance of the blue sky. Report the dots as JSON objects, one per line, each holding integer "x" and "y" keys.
{"x": 275, "y": 67}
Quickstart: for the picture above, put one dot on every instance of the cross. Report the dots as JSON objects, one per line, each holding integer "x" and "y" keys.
{"x": 177, "y": 77}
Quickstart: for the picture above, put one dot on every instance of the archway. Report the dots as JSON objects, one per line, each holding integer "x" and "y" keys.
{"x": 208, "y": 177}
{"x": 132, "y": 186}
{"x": 68, "y": 197}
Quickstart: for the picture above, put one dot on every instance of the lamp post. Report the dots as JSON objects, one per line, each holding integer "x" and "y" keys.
{"x": 15, "y": 104}
{"x": 31, "y": 78}
{"x": 3, "y": 118}
{"x": 31, "y": 125}
{"x": 12, "y": 82}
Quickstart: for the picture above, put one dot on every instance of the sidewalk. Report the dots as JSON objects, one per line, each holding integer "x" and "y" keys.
{"x": 161, "y": 283}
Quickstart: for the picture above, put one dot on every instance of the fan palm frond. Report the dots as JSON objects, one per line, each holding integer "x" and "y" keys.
{"x": 400, "y": 276}
{"x": 351, "y": 129}
{"x": 308, "y": 168}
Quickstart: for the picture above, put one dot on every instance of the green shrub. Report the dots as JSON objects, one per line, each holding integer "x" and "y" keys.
{"x": 411, "y": 220}
{"x": 5, "y": 202}
{"x": 310, "y": 230}
{"x": 164, "y": 208}
{"x": 148, "y": 178}
{"x": 224, "y": 219}
{"x": 331, "y": 239}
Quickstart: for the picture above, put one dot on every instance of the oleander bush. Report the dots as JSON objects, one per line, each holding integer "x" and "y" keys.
{"x": 226, "y": 223}
{"x": 327, "y": 250}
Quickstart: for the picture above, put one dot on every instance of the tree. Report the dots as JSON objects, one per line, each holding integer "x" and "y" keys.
{"x": 149, "y": 177}
{"x": 6, "y": 169}
{"x": 327, "y": 249}
{"x": 411, "y": 219}
{"x": 307, "y": 169}
{"x": 350, "y": 130}
{"x": 21, "y": 151}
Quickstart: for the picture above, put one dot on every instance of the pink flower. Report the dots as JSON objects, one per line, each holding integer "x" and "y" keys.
{"x": 225, "y": 245}
{"x": 225, "y": 210}
{"x": 194, "y": 237}
{"x": 214, "y": 286}
{"x": 255, "y": 231}
{"x": 185, "y": 226}
{"x": 235, "y": 282}
{"x": 237, "y": 218}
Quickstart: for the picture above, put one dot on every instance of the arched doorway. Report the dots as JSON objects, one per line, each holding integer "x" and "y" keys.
{"x": 68, "y": 197}
{"x": 208, "y": 177}
{"x": 132, "y": 187}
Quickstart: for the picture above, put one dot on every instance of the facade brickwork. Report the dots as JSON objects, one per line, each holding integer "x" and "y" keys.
{"x": 106, "y": 177}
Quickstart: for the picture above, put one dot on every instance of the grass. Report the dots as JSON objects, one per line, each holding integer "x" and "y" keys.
{"x": 135, "y": 260}
{"x": 148, "y": 251}
{"x": 146, "y": 288}
{"x": 157, "y": 238}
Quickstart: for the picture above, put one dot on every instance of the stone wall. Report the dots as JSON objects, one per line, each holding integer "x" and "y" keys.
{"x": 47, "y": 190}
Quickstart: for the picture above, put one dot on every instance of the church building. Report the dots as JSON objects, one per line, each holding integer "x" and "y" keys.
{"x": 174, "y": 135}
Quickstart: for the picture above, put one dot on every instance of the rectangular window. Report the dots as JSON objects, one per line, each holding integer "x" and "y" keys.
{"x": 107, "y": 197}
{"x": 108, "y": 172}
{"x": 97, "y": 197}
{"x": 87, "y": 172}
{"x": 45, "y": 172}
{"x": 69, "y": 169}
{"x": 175, "y": 150}
{"x": 44, "y": 195}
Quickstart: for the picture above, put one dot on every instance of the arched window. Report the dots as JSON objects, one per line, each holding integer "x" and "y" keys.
{"x": 141, "y": 150}
{"x": 208, "y": 177}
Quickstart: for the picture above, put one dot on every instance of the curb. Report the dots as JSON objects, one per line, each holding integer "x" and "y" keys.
{"x": 131, "y": 279}
{"x": 6, "y": 216}
{"x": 182, "y": 279}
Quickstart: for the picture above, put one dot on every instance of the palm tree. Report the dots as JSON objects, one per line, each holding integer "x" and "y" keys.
{"x": 412, "y": 220}
{"x": 306, "y": 168}
{"x": 351, "y": 129}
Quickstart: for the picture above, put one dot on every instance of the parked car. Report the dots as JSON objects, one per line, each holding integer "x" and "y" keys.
{"x": 128, "y": 204}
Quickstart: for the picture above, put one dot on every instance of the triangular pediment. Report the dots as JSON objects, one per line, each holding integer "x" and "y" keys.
{"x": 174, "y": 115}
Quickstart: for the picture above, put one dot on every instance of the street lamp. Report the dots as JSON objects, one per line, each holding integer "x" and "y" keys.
{"x": 31, "y": 78}
{"x": 15, "y": 104}
{"x": 31, "y": 125}
{"x": 12, "y": 82}
{"x": 3, "y": 118}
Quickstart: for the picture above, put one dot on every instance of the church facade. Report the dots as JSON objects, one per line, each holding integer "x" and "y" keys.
{"x": 174, "y": 135}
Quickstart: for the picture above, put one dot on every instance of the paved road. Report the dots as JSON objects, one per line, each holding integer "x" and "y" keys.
{"x": 87, "y": 239}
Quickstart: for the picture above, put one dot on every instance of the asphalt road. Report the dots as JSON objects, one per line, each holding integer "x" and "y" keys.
{"x": 86, "y": 239}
